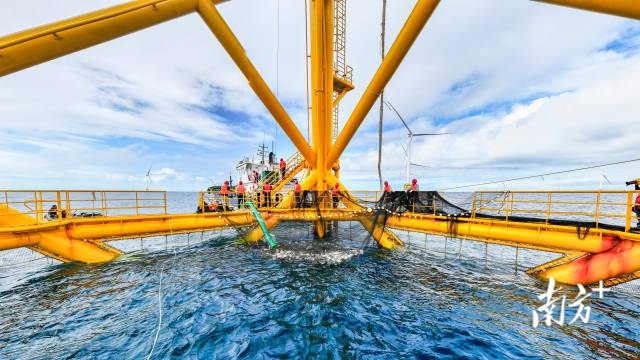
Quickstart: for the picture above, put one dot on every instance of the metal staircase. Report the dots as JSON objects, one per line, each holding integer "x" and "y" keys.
{"x": 295, "y": 163}
{"x": 343, "y": 73}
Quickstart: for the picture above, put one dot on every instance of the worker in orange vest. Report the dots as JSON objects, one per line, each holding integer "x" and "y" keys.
{"x": 240, "y": 191}
{"x": 224, "y": 193}
{"x": 283, "y": 168}
{"x": 335, "y": 195}
{"x": 297, "y": 192}
{"x": 266, "y": 190}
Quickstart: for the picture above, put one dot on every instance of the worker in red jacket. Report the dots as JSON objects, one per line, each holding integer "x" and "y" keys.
{"x": 636, "y": 208}
{"x": 636, "y": 204}
{"x": 335, "y": 195}
{"x": 413, "y": 194}
{"x": 266, "y": 190}
{"x": 240, "y": 191}
{"x": 283, "y": 168}
{"x": 224, "y": 193}
{"x": 297, "y": 193}
{"x": 387, "y": 187}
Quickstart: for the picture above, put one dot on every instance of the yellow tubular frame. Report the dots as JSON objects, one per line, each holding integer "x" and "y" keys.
{"x": 28, "y": 48}
{"x": 405, "y": 39}
{"x": 231, "y": 44}
{"x": 625, "y": 8}
{"x": 80, "y": 239}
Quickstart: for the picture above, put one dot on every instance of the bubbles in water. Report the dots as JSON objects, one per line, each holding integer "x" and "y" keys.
{"x": 327, "y": 257}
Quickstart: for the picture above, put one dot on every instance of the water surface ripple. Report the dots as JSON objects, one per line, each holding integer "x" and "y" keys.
{"x": 310, "y": 298}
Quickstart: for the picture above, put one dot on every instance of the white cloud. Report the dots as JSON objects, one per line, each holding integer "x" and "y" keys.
{"x": 61, "y": 123}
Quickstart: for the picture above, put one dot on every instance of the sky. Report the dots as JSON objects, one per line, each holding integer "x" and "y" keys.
{"x": 523, "y": 88}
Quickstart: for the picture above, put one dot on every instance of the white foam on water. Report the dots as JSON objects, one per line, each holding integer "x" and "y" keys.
{"x": 328, "y": 257}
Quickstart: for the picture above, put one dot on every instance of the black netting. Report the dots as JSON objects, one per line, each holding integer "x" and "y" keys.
{"x": 431, "y": 202}
{"x": 423, "y": 202}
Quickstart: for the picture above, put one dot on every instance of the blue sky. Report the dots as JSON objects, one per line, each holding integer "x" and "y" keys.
{"x": 523, "y": 87}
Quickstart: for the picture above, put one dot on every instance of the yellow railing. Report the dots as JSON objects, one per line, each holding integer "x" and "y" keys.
{"x": 599, "y": 207}
{"x": 613, "y": 207}
{"x": 213, "y": 201}
{"x": 292, "y": 162}
{"x": 52, "y": 205}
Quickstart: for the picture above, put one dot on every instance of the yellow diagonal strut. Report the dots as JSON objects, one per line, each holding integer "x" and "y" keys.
{"x": 626, "y": 8}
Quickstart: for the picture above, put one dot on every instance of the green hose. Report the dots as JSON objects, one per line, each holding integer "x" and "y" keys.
{"x": 270, "y": 239}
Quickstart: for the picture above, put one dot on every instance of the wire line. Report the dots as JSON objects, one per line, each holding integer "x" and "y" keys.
{"x": 542, "y": 175}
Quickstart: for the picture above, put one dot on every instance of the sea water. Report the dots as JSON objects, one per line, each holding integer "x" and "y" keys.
{"x": 205, "y": 295}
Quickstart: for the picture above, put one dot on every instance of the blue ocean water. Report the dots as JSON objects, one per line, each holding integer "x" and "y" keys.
{"x": 207, "y": 296}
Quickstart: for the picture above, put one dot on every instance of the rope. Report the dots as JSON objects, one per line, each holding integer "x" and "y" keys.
{"x": 382, "y": 51}
{"x": 155, "y": 340}
{"x": 542, "y": 175}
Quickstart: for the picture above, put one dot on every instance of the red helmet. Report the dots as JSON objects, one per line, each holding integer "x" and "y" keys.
{"x": 337, "y": 185}
{"x": 240, "y": 183}
{"x": 386, "y": 182}
{"x": 414, "y": 181}
{"x": 226, "y": 182}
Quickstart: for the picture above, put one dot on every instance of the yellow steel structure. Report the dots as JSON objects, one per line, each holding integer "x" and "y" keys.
{"x": 223, "y": 33}
{"x": 601, "y": 254}
{"x": 401, "y": 46}
{"x": 626, "y": 8}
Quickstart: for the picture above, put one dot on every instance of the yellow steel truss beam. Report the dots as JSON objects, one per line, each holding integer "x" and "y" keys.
{"x": 232, "y": 45}
{"x": 384, "y": 237}
{"x": 307, "y": 184}
{"x": 405, "y": 39}
{"x": 41, "y": 44}
{"x": 625, "y": 8}
{"x": 31, "y": 47}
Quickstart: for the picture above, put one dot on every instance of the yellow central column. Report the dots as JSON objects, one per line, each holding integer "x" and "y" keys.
{"x": 322, "y": 91}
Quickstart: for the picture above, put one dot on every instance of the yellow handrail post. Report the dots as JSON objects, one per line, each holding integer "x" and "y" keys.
{"x": 627, "y": 225}
{"x": 473, "y": 207}
{"x": 165, "y": 202}
{"x": 68, "y": 204}
{"x": 59, "y": 202}
{"x": 103, "y": 202}
{"x": 548, "y": 207}
{"x": 597, "y": 214}
{"x": 35, "y": 200}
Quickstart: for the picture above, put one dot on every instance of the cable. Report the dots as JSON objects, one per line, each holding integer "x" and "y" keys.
{"x": 382, "y": 51}
{"x": 155, "y": 340}
{"x": 542, "y": 175}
